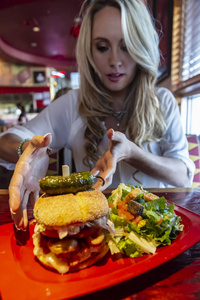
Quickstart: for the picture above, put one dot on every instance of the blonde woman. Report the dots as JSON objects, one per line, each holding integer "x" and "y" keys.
{"x": 117, "y": 124}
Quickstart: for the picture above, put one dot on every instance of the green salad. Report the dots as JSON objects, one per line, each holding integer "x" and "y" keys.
{"x": 142, "y": 221}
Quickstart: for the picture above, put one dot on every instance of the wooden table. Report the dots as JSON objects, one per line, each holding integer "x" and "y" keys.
{"x": 178, "y": 278}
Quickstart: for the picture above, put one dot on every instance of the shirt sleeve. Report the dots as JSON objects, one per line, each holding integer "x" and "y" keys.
{"x": 174, "y": 142}
{"x": 56, "y": 119}
{"x": 23, "y": 133}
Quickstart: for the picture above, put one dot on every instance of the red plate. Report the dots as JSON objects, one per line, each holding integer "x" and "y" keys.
{"x": 22, "y": 277}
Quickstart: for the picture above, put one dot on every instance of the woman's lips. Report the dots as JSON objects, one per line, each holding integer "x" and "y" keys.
{"x": 115, "y": 77}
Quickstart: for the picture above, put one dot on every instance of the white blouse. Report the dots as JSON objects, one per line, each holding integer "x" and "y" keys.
{"x": 62, "y": 120}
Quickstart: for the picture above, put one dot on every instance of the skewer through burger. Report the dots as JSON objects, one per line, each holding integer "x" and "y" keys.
{"x": 68, "y": 233}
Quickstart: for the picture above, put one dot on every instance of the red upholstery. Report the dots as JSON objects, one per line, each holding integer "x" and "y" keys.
{"x": 193, "y": 147}
{"x": 53, "y": 165}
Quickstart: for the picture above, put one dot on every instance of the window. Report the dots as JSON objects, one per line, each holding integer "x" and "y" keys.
{"x": 185, "y": 73}
{"x": 190, "y": 113}
{"x": 186, "y": 47}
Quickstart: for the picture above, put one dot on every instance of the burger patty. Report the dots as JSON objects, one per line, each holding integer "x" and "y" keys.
{"x": 85, "y": 231}
{"x": 74, "y": 250}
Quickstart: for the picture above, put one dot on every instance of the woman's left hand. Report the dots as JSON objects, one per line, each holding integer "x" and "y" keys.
{"x": 107, "y": 163}
{"x": 24, "y": 185}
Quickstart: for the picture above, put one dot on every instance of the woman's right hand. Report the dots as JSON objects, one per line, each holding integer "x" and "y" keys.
{"x": 107, "y": 163}
{"x": 30, "y": 168}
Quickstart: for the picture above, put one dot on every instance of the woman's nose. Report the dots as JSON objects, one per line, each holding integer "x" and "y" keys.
{"x": 115, "y": 60}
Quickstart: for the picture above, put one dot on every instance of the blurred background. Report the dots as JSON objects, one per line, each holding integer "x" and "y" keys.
{"x": 37, "y": 57}
{"x": 37, "y": 54}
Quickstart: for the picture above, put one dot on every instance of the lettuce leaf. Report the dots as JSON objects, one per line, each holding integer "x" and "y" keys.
{"x": 117, "y": 193}
{"x": 129, "y": 247}
{"x": 159, "y": 226}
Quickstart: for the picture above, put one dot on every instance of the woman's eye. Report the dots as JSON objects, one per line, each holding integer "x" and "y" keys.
{"x": 102, "y": 48}
{"x": 124, "y": 48}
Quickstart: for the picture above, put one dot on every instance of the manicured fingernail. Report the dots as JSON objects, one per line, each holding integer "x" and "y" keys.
{"x": 96, "y": 173}
{"x": 46, "y": 135}
{"x": 18, "y": 228}
{"x": 23, "y": 229}
{"x": 12, "y": 212}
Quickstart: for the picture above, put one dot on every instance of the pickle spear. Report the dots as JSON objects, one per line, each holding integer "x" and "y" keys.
{"x": 75, "y": 182}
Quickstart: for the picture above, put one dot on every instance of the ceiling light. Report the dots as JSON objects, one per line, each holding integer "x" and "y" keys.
{"x": 36, "y": 29}
{"x": 33, "y": 44}
{"x": 77, "y": 20}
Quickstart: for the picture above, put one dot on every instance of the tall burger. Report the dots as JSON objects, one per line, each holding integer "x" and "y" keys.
{"x": 68, "y": 233}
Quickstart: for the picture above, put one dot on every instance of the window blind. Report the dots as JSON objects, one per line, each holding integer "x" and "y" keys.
{"x": 185, "y": 74}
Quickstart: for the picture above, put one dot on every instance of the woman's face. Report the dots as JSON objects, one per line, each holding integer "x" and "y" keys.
{"x": 109, "y": 52}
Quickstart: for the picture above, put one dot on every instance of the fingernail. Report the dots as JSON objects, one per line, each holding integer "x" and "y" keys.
{"x": 12, "y": 212}
{"x": 96, "y": 173}
{"x": 18, "y": 228}
{"x": 23, "y": 229}
{"x": 46, "y": 135}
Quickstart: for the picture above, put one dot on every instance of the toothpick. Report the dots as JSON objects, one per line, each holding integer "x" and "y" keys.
{"x": 65, "y": 170}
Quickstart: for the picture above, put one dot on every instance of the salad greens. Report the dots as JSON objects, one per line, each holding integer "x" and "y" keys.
{"x": 134, "y": 235}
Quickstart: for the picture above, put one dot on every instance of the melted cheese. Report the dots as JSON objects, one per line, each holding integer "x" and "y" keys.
{"x": 49, "y": 259}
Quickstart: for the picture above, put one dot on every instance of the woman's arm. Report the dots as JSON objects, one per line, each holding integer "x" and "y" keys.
{"x": 169, "y": 164}
{"x": 170, "y": 170}
{"x": 57, "y": 118}
{"x": 9, "y": 144}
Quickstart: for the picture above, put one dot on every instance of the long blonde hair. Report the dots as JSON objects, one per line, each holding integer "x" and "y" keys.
{"x": 143, "y": 118}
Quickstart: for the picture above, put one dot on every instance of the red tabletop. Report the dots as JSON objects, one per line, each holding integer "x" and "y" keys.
{"x": 179, "y": 278}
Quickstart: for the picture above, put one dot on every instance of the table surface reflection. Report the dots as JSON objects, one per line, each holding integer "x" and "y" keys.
{"x": 178, "y": 278}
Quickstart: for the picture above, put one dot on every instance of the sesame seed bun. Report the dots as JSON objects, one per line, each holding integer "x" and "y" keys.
{"x": 61, "y": 210}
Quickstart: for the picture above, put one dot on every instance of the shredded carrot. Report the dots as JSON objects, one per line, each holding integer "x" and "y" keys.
{"x": 110, "y": 204}
{"x": 121, "y": 203}
{"x": 125, "y": 214}
{"x": 125, "y": 233}
{"x": 136, "y": 220}
{"x": 160, "y": 221}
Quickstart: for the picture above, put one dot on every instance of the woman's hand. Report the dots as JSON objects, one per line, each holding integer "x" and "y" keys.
{"x": 31, "y": 166}
{"x": 170, "y": 170}
{"x": 107, "y": 163}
